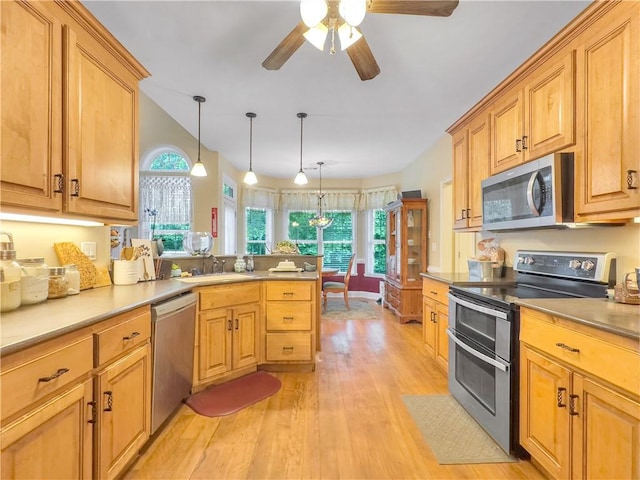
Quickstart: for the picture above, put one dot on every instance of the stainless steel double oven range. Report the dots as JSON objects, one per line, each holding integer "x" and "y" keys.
{"x": 484, "y": 325}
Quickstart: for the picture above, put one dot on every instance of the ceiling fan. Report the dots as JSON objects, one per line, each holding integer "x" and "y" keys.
{"x": 326, "y": 18}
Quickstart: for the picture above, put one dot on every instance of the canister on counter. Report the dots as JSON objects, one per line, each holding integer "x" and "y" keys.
{"x": 10, "y": 281}
{"x": 35, "y": 280}
{"x": 73, "y": 277}
{"x": 58, "y": 283}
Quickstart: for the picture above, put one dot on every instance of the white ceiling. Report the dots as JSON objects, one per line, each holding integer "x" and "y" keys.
{"x": 432, "y": 71}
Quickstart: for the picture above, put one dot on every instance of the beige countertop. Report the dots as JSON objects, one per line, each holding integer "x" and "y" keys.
{"x": 463, "y": 280}
{"x": 31, "y": 324}
{"x": 618, "y": 318}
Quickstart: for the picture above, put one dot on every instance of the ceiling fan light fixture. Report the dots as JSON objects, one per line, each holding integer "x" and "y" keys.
{"x": 317, "y": 36}
{"x": 353, "y": 11}
{"x": 198, "y": 169}
{"x": 348, "y": 35}
{"x": 313, "y": 11}
{"x": 250, "y": 177}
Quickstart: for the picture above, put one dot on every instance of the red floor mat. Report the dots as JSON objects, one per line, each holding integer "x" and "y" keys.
{"x": 232, "y": 396}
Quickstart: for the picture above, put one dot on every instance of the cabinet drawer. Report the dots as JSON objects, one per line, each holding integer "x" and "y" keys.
{"x": 612, "y": 363}
{"x": 289, "y": 316}
{"x": 133, "y": 329}
{"x": 289, "y": 290}
{"x": 288, "y": 347}
{"x": 43, "y": 374}
{"x": 435, "y": 290}
{"x": 229, "y": 295}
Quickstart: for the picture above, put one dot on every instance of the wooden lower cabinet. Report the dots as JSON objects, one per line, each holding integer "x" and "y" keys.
{"x": 435, "y": 312}
{"x": 52, "y": 440}
{"x": 576, "y": 423}
{"x": 404, "y": 302}
{"x": 227, "y": 331}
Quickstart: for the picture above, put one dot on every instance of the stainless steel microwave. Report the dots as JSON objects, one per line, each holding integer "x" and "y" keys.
{"x": 537, "y": 194}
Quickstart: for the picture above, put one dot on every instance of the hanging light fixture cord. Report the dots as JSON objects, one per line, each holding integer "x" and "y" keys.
{"x": 199, "y": 99}
{"x": 301, "y": 116}
{"x": 251, "y": 116}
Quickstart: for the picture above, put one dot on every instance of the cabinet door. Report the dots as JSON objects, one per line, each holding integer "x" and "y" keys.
{"x": 101, "y": 124}
{"x": 429, "y": 329}
{"x": 124, "y": 416}
{"x": 544, "y": 419}
{"x": 245, "y": 336}
{"x": 460, "y": 179}
{"x": 479, "y": 161}
{"x": 442, "y": 346}
{"x": 31, "y": 107}
{"x": 506, "y": 129}
{"x": 609, "y": 75}
{"x": 606, "y": 432}
{"x": 550, "y": 107}
{"x": 214, "y": 343}
{"x": 53, "y": 440}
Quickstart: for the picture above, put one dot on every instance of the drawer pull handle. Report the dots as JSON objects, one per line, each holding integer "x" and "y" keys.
{"x": 518, "y": 145}
{"x": 287, "y": 319}
{"x": 524, "y": 142}
{"x": 433, "y": 293}
{"x": 433, "y": 317}
{"x": 131, "y": 337}
{"x": 287, "y": 294}
{"x": 75, "y": 186}
{"x": 93, "y": 412}
{"x": 567, "y": 347}
{"x": 287, "y": 350}
{"x": 572, "y": 404}
{"x": 632, "y": 179}
{"x": 59, "y": 188}
{"x": 229, "y": 325}
{"x": 237, "y": 324}
{"x": 60, "y": 372}
{"x": 561, "y": 391}
{"x": 109, "y": 395}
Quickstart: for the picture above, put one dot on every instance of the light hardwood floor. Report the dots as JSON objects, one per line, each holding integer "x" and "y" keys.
{"x": 346, "y": 420}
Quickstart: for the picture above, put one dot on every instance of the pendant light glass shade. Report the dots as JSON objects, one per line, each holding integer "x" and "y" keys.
{"x": 320, "y": 221}
{"x": 313, "y": 11}
{"x": 317, "y": 36}
{"x": 250, "y": 177}
{"x": 301, "y": 178}
{"x": 198, "y": 169}
{"x": 348, "y": 36}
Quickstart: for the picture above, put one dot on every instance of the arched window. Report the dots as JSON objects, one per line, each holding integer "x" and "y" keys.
{"x": 166, "y": 203}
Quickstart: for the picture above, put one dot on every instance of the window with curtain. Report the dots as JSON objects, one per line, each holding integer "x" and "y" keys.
{"x": 165, "y": 197}
{"x": 337, "y": 240}
{"x": 258, "y": 223}
{"x": 376, "y": 241}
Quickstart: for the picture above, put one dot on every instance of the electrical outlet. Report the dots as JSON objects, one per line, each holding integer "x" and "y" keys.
{"x": 89, "y": 249}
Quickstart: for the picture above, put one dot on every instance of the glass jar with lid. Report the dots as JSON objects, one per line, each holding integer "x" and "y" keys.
{"x": 10, "y": 284}
{"x": 58, "y": 283}
{"x": 73, "y": 277}
{"x": 35, "y": 280}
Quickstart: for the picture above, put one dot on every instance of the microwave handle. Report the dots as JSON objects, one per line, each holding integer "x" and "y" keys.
{"x": 532, "y": 183}
{"x": 478, "y": 308}
{"x": 475, "y": 353}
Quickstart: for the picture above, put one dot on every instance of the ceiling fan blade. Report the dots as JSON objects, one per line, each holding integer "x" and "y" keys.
{"x": 286, "y": 48}
{"x": 432, "y": 8}
{"x": 362, "y": 58}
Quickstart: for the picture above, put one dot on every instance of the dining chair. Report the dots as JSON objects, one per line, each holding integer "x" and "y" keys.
{"x": 339, "y": 287}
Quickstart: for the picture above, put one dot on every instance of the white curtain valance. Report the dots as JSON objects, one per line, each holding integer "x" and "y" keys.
{"x": 377, "y": 197}
{"x": 260, "y": 197}
{"x": 308, "y": 199}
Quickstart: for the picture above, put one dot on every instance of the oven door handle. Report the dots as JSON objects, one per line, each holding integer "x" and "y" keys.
{"x": 478, "y": 308}
{"x": 475, "y": 353}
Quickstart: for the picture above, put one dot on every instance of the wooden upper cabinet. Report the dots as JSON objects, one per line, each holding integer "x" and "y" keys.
{"x": 101, "y": 143}
{"x": 31, "y": 107}
{"x": 460, "y": 178}
{"x": 69, "y": 114}
{"x": 479, "y": 159}
{"x": 608, "y": 65}
{"x": 536, "y": 119}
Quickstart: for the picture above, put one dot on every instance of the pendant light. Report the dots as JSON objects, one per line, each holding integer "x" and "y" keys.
{"x": 198, "y": 169}
{"x": 301, "y": 178}
{"x": 250, "y": 177}
{"x": 320, "y": 221}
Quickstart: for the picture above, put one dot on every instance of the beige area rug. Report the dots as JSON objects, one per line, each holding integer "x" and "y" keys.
{"x": 359, "y": 309}
{"x": 451, "y": 433}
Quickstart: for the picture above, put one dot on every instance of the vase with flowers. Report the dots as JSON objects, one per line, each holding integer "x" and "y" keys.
{"x": 156, "y": 243}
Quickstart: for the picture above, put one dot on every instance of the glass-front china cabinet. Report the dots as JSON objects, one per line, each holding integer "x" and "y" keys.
{"x": 406, "y": 257}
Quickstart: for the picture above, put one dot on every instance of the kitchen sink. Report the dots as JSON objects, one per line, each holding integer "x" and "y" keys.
{"x": 216, "y": 278}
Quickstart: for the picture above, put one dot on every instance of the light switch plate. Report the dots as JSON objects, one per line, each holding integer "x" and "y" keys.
{"x": 89, "y": 249}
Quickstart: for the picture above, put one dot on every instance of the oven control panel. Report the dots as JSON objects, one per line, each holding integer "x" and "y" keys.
{"x": 578, "y": 265}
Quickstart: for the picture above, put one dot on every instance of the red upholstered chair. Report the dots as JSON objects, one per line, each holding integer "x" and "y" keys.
{"x": 339, "y": 287}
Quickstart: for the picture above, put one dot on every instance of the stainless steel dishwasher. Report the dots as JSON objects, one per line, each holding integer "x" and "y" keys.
{"x": 173, "y": 335}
